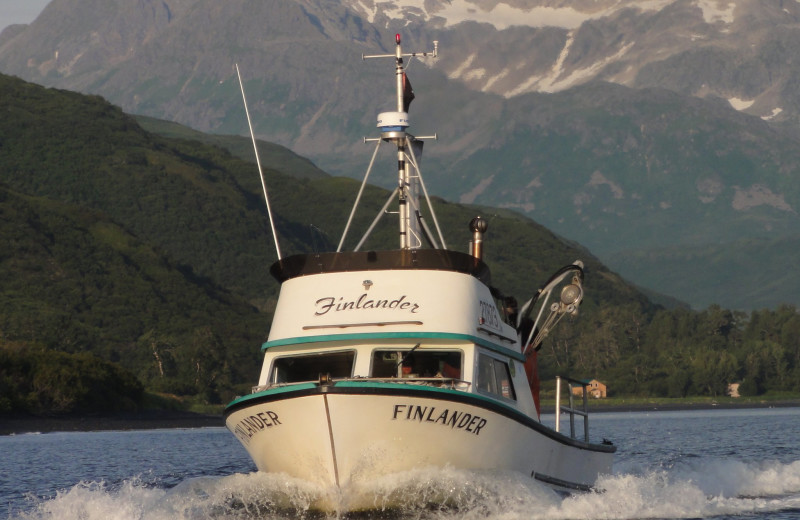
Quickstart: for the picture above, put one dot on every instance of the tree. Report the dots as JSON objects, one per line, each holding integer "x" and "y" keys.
{"x": 712, "y": 372}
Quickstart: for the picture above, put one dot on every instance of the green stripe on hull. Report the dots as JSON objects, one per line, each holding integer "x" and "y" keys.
{"x": 374, "y": 384}
{"x": 273, "y": 391}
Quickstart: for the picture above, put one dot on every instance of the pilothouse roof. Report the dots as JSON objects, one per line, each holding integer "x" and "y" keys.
{"x": 428, "y": 259}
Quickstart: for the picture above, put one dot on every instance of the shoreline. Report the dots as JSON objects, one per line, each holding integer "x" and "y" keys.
{"x": 148, "y": 420}
{"x": 595, "y": 407}
{"x": 165, "y": 419}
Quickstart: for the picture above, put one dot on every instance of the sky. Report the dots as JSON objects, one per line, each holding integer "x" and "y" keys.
{"x": 20, "y": 11}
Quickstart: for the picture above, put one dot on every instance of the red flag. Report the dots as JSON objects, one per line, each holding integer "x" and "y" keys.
{"x": 408, "y": 93}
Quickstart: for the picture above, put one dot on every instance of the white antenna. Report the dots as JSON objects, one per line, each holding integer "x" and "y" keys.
{"x": 258, "y": 162}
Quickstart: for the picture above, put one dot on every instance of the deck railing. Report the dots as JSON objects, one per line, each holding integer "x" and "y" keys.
{"x": 571, "y": 410}
{"x": 441, "y": 382}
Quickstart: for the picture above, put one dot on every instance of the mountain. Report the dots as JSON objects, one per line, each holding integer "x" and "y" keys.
{"x": 720, "y": 266}
{"x": 625, "y": 125}
{"x": 737, "y": 50}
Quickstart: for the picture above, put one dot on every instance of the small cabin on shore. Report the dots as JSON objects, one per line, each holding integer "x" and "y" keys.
{"x": 594, "y": 387}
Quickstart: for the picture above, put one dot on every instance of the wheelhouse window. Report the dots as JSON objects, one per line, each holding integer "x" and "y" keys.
{"x": 309, "y": 367}
{"x": 494, "y": 377}
{"x": 410, "y": 363}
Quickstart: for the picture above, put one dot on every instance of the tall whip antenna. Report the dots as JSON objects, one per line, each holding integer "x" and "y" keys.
{"x": 258, "y": 162}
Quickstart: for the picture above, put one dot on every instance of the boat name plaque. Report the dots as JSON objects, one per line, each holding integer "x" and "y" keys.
{"x": 334, "y": 304}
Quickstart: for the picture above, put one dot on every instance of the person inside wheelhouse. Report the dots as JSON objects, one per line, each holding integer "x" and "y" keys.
{"x": 414, "y": 363}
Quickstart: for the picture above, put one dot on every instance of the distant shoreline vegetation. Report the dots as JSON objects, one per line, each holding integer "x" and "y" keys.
{"x": 46, "y": 382}
{"x": 664, "y": 404}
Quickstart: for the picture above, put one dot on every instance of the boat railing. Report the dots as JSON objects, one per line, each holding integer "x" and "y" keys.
{"x": 439, "y": 382}
{"x": 571, "y": 410}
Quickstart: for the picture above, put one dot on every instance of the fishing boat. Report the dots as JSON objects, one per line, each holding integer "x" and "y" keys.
{"x": 380, "y": 362}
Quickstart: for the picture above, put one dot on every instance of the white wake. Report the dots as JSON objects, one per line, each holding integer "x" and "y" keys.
{"x": 697, "y": 488}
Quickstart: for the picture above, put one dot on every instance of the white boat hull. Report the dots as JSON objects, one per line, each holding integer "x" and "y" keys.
{"x": 349, "y": 433}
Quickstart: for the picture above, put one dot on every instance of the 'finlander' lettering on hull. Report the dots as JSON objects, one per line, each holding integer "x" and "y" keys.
{"x": 443, "y": 416}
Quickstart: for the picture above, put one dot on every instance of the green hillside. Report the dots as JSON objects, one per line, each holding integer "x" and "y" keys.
{"x": 278, "y": 157}
{"x": 74, "y": 281}
{"x": 152, "y": 253}
{"x": 204, "y": 208}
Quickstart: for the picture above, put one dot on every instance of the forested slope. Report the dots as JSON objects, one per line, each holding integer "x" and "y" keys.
{"x": 153, "y": 252}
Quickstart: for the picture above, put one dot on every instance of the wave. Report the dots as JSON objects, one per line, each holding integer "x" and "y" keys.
{"x": 696, "y": 488}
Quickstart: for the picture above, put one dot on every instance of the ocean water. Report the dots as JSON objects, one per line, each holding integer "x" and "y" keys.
{"x": 721, "y": 464}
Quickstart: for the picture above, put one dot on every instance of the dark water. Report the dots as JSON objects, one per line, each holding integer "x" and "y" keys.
{"x": 700, "y": 464}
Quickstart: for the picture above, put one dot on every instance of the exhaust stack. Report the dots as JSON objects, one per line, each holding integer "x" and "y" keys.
{"x": 478, "y": 226}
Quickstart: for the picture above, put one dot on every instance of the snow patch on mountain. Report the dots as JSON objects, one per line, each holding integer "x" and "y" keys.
{"x": 556, "y": 81}
{"x": 502, "y": 15}
{"x": 741, "y": 104}
{"x": 465, "y": 71}
{"x": 503, "y": 74}
{"x": 470, "y": 196}
{"x": 547, "y": 83}
{"x": 717, "y": 10}
{"x": 461, "y": 69}
{"x": 758, "y": 195}
{"x": 598, "y": 179}
{"x": 367, "y": 9}
{"x": 773, "y": 114}
{"x": 525, "y": 207}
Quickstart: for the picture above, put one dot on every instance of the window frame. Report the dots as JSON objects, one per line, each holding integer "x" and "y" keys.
{"x": 423, "y": 351}
{"x": 273, "y": 380}
{"x": 496, "y": 382}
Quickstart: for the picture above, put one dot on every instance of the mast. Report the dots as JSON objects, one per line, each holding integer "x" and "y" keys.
{"x": 393, "y": 127}
{"x": 407, "y": 225}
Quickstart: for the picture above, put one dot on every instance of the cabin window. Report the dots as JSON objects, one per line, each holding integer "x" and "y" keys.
{"x": 417, "y": 363}
{"x": 494, "y": 377}
{"x": 309, "y": 367}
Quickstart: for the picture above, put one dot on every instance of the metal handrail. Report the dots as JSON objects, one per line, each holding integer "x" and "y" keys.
{"x": 447, "y": 382}
{"x": 571, "y": 410}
